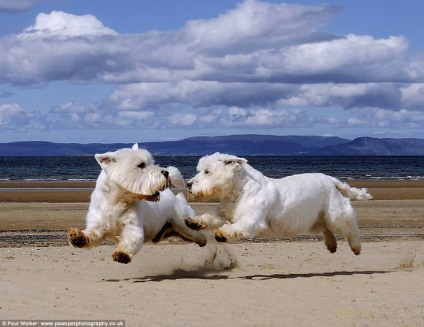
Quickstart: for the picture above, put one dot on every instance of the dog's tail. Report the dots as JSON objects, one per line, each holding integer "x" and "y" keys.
{"x": 352, "y": 193}
{"x": 176, "y": 178}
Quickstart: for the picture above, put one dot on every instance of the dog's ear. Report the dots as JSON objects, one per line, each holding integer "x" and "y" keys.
{"x": 135, "y": 146}
{"x": 105, "y": 159}
{"x": 235, "y": 162}
{"x": 175, "y": 176}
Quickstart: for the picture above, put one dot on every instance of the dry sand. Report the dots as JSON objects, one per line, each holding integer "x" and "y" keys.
{"x": 292, "y": 282}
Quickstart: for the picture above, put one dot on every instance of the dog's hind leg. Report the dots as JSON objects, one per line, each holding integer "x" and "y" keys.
{"x": 349, "y": 228}
{"x": 330, "y": 240}
{"x": 341, "y": 219}
{"x": 354, "y": 239}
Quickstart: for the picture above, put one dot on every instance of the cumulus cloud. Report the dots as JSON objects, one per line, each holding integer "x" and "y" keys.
{"x": 256, "y": 25}
{"x": 61, "y": 24}
{"x": 58, "y": 46}
{"x": 257, "y": 65}
{"x": 71, "y": 114}
{"x": 197, "y": 94}
{"x": 413, "y": 96}
{"x": 83, "y": 116}
{"x": 398, "y": 119}
{"x": 12, "y": 116}
{"x": 362, "y": 95}
{"x": 265, "y": 118}
{"x": 255, "y": 42}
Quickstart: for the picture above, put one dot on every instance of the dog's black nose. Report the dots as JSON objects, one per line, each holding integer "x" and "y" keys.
{"x": 189, "y": 185}
{"x": 165, "y": 173}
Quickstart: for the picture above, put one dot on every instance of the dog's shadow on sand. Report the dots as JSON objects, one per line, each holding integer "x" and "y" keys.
{"x": 179, "y": 274}
{"x": 175, "y": 275}
{"x": 311, "y": 275}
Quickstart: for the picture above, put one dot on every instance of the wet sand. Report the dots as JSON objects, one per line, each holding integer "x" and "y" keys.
{"x": 278, "y": 282}
{"x": 46, "y": 210}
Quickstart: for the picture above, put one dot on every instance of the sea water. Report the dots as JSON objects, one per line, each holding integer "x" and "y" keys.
{"x": 85, "y": 168}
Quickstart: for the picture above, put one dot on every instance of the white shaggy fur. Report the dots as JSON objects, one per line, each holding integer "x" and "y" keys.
{"x": 255, "y": 205}
{"x": 119, "y": 207}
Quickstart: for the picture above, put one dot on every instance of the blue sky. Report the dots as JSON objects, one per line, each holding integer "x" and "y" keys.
{"x": 125, "y": 71}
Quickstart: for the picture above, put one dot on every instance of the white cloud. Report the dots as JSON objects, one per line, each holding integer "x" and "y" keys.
{"x": 351, "y": 59}
{"x": 362, "y": 95}
{"x": 401, "y": 119}
{"x": 8, "y": 112}
{"x": 80, "y": 116}
{"x": 255, "y": 25}
{"x": 355, "y": 121}
{"x": 257, "y": 65}
{"x": 12, "y": 116}
{"x": 413, "y": 96}
{"x": 135, "y": 115}
{"x": 70, "y": 115}
{"x": 61, "y": 24}
{"x": 182, "y": 119}
{"x": 255, "y": 42}
{"x": 59, "y": 46}
{"x": 262, "y": 117}
{"x": 197, "y": 94}
{"x": 71, "y": 107}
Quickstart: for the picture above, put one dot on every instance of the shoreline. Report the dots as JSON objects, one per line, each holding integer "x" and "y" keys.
{"x": 79, "y": 192}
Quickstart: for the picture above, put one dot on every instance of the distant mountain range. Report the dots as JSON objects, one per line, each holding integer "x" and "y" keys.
{"x": 243, "y": 145}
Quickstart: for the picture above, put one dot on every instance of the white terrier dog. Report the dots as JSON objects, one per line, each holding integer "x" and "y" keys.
{"x": 119, "y": 207}
{"x": 255, "y": 205}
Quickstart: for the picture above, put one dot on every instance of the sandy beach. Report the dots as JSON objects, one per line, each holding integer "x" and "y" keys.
{"x": 278, "y": 282}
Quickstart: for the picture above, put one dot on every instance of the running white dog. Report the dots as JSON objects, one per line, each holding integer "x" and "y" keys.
{"x": 255, "y": 205}
{"x": 119, "y": 207}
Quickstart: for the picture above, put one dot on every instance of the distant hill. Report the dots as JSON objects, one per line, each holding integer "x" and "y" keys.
{"x": 368, "y": 146}
{"x": 265, "y": 145}
{"x": 39, "y": 148}
{"x": 245, "y": 145}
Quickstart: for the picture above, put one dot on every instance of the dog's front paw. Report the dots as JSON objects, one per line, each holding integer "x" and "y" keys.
{"x": 195, "y": 224}
{"x": 220, "y": 237}
{"x": 228, "y": 233}
{"x": 77, "y": 238}
{"x": 121, "y": 257}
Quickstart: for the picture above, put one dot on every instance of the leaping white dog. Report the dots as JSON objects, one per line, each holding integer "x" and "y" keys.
{"x": 255, "y": 205}
{"x": 120, "y": 209}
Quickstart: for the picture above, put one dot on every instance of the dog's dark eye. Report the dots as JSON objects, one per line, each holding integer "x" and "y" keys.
{"x": 207, "y": 172}
{"x": 141, "y": 165}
